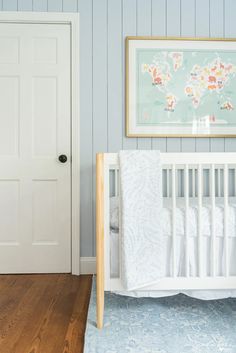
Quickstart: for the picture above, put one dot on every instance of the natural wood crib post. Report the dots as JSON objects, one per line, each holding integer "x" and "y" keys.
{"x": 100, "y": 237}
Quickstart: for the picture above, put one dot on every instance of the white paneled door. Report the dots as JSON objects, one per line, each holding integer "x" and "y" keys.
{"x": 35, "y": 140}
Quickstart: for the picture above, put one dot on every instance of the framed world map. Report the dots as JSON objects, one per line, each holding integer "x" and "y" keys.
{"x": 180, "y": 87}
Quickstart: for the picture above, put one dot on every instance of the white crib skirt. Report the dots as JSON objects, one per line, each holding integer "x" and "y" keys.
{"x": 206, "y": 258}
{"x": 180, "y": 263}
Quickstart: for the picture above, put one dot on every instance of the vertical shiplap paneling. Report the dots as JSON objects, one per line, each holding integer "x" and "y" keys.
{"x": 188, "y": 30}
{"x": 158, "y": 18}
{"x": 9, "y": 5}
{"x": 115, "y": 125}
{"x": 217, "y": 30}
{"x": 202, "y": 18}
{"x": 202, "y": 30}
{"x": 55, "y": 5}
{"x": 173, "y": 18}
{"x": 230, "y": 31}
{"x": 229, "y": 20}
{"x": 144, "y": 9}
{"x": 129, "y": 29}
{"x": 187, "y": 18}
{"x": 100, "y": 117}
{"x": 40, "y": 5}
{"x": 217, "y": 18}
{"x": 25, "y": 5}
{"x": 70, "y": 5}
{"x": 159, "y": 29}
{"x": 202, "y": 144}
{"x": 173, "y": 29}
{"x": 86, "y": 128}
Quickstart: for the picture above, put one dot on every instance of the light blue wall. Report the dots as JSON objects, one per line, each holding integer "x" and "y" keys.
{"x": 104, "y": 25}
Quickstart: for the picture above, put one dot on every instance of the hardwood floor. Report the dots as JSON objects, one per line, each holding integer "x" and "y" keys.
{"x": 43, "y": 313}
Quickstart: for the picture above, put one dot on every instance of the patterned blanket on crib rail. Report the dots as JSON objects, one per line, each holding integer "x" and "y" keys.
{"x": 142, "y": 255}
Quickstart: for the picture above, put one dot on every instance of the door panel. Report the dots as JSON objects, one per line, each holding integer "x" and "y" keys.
{"x": 45, "y": 50}
{"x": 35, "y": 188}
{"x": 9, "y": 212}
{"x": 9, "y": 50}
{"x": 44, "y": 207}
{"x": 9, "y": 116}
{"x": 44, "y": 91}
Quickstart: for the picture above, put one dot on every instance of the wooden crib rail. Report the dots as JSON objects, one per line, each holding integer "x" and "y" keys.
{"x": 100, "y": 237}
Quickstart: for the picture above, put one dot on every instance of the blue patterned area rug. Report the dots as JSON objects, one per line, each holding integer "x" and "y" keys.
{"x": 176, "y": 324}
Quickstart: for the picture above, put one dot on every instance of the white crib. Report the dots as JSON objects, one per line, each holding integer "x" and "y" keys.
{"x": 198, "y": 176}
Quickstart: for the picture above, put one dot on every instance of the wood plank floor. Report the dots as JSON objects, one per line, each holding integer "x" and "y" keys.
{"x": 43, "y": 313}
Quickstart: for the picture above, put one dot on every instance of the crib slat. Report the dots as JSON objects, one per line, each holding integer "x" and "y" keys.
{"x": 119, "y": 224}
{"x": 116, "y": 182}
{"x": 199, "y": 220}
{"x": 186, "y": 196}
{"x": 193, "y": 182}
{"x": 234, "y": 182}
{"x": 173, "y": 220}
{"x": 226, "y": 219}
{"x": 168, "y": 182}
{"x": 219, "y": 182}
{"x": 213, "y": 240}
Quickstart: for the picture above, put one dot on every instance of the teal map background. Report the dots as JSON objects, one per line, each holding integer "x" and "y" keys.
{"x": 151, "y": 99}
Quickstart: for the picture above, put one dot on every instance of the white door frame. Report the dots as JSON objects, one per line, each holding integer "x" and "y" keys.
{"x": 71, "y": 19}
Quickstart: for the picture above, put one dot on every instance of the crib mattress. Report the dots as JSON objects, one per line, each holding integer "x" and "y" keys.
{"x": 193, "y": 248}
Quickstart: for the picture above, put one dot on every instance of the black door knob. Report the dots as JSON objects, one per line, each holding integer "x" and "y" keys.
{"x": 62, "y": 158}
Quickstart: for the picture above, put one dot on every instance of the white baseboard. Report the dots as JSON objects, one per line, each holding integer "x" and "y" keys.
{"x": 87, "y": 265}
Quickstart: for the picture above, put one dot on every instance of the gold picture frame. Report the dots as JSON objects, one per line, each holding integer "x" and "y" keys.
{"x": 216, "y": 127}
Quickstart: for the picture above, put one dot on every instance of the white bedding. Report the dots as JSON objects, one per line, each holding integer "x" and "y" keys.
{"x": 193, "y": 247}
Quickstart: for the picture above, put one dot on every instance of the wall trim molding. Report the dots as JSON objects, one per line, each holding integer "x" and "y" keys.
{"x": 87, "y": 265}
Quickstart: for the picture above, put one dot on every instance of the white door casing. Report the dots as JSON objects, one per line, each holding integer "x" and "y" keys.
{"x": 38, "y": 113}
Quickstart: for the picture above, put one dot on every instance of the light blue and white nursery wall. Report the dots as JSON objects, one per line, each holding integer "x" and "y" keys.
{"x": 104, "y": 24}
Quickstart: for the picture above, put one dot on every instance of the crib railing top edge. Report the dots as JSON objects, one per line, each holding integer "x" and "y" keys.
{"x": 184, "y": 158}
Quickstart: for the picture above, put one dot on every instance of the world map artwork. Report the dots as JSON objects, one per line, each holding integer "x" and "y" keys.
{"x": 181, "y": 87}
